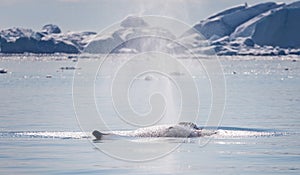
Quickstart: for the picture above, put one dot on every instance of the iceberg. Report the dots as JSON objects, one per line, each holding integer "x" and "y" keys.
{"x": 279, "y": 27}
{"x": 49, "y": 40}
{"x": 133, "y": 35}
{"x": 51, "y": 28}
{"x": 262, "y": 29}
{"x": 225, "y": 22}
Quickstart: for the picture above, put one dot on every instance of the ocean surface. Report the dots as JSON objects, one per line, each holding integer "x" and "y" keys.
{"x": 42, "y": 131}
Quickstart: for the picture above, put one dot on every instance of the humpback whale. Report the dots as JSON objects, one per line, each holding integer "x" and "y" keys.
{"x": 182, "y": 129}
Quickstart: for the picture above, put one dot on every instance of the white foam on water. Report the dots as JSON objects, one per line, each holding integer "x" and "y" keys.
{"x": 56, "y": 134}
{"x": 244, "y": 133}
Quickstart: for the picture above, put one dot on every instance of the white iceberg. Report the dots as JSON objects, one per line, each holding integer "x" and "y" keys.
{"x": 49, "y": 40}
{"x": 131, "y": 36}
{"x": 225, "y": 22}
{"x": 262, "y": 29}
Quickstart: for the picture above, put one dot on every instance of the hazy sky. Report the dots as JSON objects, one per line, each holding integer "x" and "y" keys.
{"x": 95, "y": 15}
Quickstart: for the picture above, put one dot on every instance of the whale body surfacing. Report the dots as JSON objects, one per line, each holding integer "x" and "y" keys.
{"x": 182, "y": 129}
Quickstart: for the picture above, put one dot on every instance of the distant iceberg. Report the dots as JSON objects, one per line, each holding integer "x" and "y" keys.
{"x": 133, "y": 35}
{"x": 263, "y": 29}
{"x": 225, "y": 22}
{"x": 49, "y": 40}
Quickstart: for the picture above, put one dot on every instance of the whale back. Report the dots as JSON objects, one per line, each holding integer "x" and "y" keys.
{"x": 177, "y": 130}
{"x": 182, "y": 129}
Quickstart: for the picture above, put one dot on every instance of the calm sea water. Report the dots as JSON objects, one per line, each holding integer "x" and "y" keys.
{"x": 39, "y": 132}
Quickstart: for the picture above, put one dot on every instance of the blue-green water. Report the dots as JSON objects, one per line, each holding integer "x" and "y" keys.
{"x": 39, "y": 132}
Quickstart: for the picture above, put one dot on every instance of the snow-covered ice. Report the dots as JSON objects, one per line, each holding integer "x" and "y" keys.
{"x": 266, "y": 28}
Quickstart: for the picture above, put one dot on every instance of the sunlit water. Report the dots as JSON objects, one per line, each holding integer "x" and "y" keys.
{"x": 259, "y": 132}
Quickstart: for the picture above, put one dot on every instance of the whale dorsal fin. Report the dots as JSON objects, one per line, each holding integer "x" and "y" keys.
{"x": 188, "y": 124}
{"x": 98, "y": 134}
